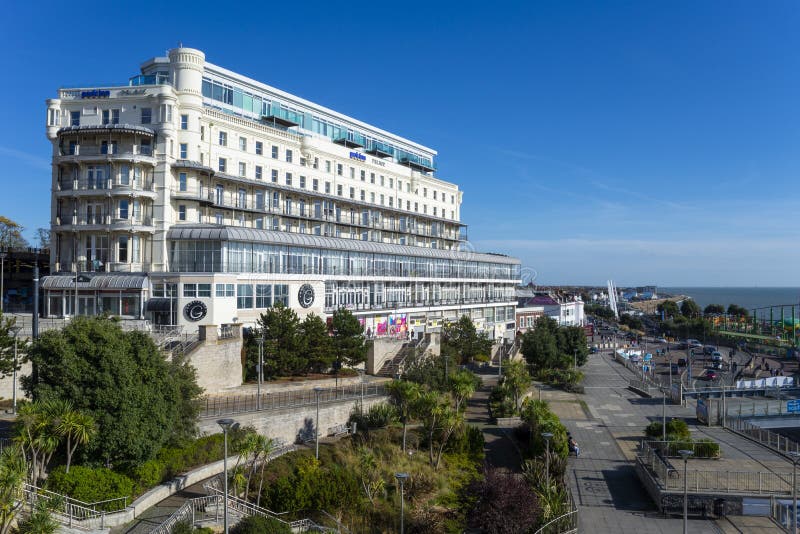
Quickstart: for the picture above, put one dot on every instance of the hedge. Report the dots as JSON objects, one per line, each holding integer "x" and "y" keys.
{"x": 91, "y": 484}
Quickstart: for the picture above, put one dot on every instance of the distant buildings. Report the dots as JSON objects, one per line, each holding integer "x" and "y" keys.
{"x": 566, "y": 311}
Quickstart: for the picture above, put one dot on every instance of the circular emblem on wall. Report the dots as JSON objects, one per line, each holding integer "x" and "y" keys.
{"x": 306, "y": 295}
{"x": 195, "y": 310}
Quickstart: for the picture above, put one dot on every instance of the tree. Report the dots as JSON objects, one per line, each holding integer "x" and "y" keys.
{"x": 40, "y": 520}
{"x": 404, "y": 395}
{"x": 349, "y": 345}
{"x": 7, "y": 363}
{"x": 43, "y": 238}
{"x": 440, "y": 420}
{"x": 11, "y": 234}
{"x": 78, "y": 427}
{"x": 463, "y": 384}
{"x": 517, "y": 379}
{"x": 689, "y": 308}
{"x": 140, "y": 401}
{"x": 571, "y": 341}
{"x": 712, "y": 309}
{"x": 506, "y": 504}
{"x": 282, "y": 344}
{"x": 13, "y": 470}
{"x": 668, "y": 308}
{"x": 463, "y": 339}
{"x": 317, "y": 343}
{"x": 540, "y": 345}
{"x": 371, "y": 480}
{"x": 37, "y": 434}
{"x": 738, "y": 311}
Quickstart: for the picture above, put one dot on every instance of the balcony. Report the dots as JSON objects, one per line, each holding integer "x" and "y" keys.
{"x": 350, "y": 140}
{"x": 105, "y": 187}
{"x": 380, "y": 150}
{"x": 282, "y": 117}
{"x": 132, "y": 153}
{"x": 151, "y": 79}
{"x": 417, "y": 163}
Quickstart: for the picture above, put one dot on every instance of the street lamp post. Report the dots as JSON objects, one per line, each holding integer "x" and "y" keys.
{"x": 547, "y": 436}
{"x": 685, "y": 455}
{"x": 575, "y": 358}
{"x": 401, "y": 478}
{"x": 16, "y": 330}
{"x": 664, "y": 418}
{"x": 361, "y": 373}
{"x": 317, "y": 391}
{"x": 260, "y": 341}
{"x": 795, "y": 458}
{"x": 226, "y": 425}
{"x": 2, "y": 279}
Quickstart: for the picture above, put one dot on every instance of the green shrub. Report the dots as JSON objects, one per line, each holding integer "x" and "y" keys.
{"x": 378, "y": 416}
{"x": 149, "y": 474}
{"x": 539, "y": 419}
{"x": 183, "y": 527}
{"x": 90, "y": 484}
{"x": 677, "y": 430}
{"x": 501, "y": 402}
{"x": 256, "y": 524}
{"x": 468, "y": 440}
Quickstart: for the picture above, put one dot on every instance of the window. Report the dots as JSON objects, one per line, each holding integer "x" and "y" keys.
{"x": 339, "y": 169}
{"x": 244, "y": 296}
{"x": 352, "y": 173}
{"x": 184, "y": 122}
{"x": 363, "y": 175}
{"x": 190, "y": 290}
{"x": 372, "y": 178}
{"x": 223, "y": 138}
{"x": 263, "y": 295}
{"x": 339, "y": 190}
{"x": 220, "y": 190}
{"x": 75, "y": 118}
{"x": 202, "y": 133}
{"x": 372, "y": 197}
{"x": 381, "y": 200}
{"x": 243, "y": 143}
{"x": 106, "y": 117}
{"x": 218, "y": 218}
{"x": 383, "y": 181}
{"x": 122, "y": 252}
{"x": 425, "y": 192}
{"x": 259, "y": 148}
{"x": 225, "y": 290}
{"x": 363, "y": 196}
{"x": 260, "y": 200}
{"x": 315, "y": 184}
{"x": 281, "y": 294}
{"x": 434, "y": 194}
{"x": 275, "y": 175}
{"x": 391, "y": 202}
{"x": 328, "y": 188}
{"x": 259, "y": 171}
{"x": 114, "y": 116}
{"x": 242, "y": 199}
{"x": 147, "y": 115}
{"x": 182, "y": 181}
{"x": 391, "y": 182}
{"x": 182, "y": 212}
{"x": 274, "y": 152}
{"x": 288, "y": 156}
{"x": 108, "y": 147}
{"x": 124, "y": 175}
{"x": 184, "y": 148}
{"x": 327, "y": 166}
{"x": 288, "y": 178}
{"x": 353, "y": 192}
{"x": 242, "y": 168}
{"x": 303, "y": 182}
{"x": 222, "y": 164}
{"x": 166, "y": 112}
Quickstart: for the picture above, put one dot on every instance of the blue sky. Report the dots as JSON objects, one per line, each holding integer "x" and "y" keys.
{"x": 640, "y": 141}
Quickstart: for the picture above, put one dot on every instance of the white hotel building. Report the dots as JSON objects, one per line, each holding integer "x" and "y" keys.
{"x": 194, "y": 195}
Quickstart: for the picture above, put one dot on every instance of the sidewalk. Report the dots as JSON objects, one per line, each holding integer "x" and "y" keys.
{"x": 606, "y": 489}
{"x": 499, "y": 447}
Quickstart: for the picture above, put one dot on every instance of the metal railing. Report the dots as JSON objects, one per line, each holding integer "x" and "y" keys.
{"x": 235, "y": 404}
{"x": 69, "y": 511}
{"x": 771, "y": 439}
{"x": 670, "y": 478}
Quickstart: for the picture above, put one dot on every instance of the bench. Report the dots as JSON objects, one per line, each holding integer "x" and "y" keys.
{"x": 338, "y": 430}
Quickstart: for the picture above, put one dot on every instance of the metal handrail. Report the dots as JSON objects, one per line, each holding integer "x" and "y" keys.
{"x": 571, "y": 517}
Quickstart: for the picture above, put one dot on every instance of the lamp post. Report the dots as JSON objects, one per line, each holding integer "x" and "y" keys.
{"x": 664, "y": 418}
{"x": 16, "y": 330}
{"x": 795, "y": 458}
{"x": 575, "y": 358}
{"x": 2, "y": 279}
{"x": 260, "y": 342}
{"x": 401, "y": 478}
{"x": 547, "y": 436}
{"x": 317, "y": 391}
{"x": 361, "y": 380}
{"x": 685, "y": 455}
{"x": 226, "y": 425}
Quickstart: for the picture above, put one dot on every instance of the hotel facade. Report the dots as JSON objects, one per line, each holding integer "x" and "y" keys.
{"x": 193, "y": 195}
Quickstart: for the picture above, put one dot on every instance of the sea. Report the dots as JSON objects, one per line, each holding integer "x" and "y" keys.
{"x": 747, "y": 297}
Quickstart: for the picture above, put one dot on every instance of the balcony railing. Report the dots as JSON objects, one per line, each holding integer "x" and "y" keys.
{"x": 106, "y": 184}
{"x": 151, "y": 79}
{"x": 128, "y": 151}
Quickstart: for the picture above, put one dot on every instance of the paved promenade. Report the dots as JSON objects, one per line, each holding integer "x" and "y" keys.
{"x": 608, "y": 426}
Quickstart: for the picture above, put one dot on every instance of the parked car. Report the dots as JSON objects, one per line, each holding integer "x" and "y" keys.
{"x": 674, "y": 368}
{"x": 661, "y": 340}
{"x": 594, "y": 350}
{"x": 682, "y": 362}
{"x": 693, "y": 343}
{"x": 708, "y": 350}
{"x": 717, "y": 365}
{"x": 710, "y": 374}
{"x": 716, "y": 356}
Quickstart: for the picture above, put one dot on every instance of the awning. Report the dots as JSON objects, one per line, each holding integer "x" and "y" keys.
{"x": 159, "y": 305}
{"x": 95, "y": 281}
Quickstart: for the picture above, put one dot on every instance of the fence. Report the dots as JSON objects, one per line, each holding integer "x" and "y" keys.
{"x": 765, "y": 437}
{"x": 566, "y": 523}
{"x": 670, "y": 478}
{"x": 236, "y": 404}
{"x": 68, "y": 510}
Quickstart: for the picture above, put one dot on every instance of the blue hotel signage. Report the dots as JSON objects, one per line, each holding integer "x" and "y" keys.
{"x": 358, "y": 156}
{"x": 96, "y": 93}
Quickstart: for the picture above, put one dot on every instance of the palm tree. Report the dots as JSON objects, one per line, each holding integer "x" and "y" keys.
{"x": 462, "y": 385}
{"x": 267, "y": 448}
{"x": 404, "y": 395}
{"x": 13, "y": 471}
{"x": 79, "y": 428}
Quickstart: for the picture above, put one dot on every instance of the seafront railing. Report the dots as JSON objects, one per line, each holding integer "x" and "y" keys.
{"x": 236, "y": 404}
